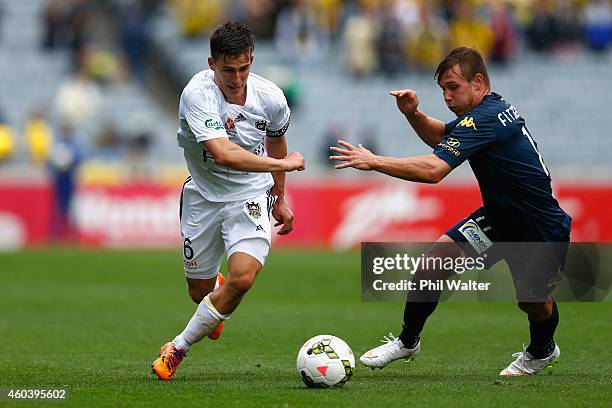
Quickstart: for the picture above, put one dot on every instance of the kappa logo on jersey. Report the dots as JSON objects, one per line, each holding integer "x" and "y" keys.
{"x": 254, "y": 209}
{"x": 475, "y": 236}
{"x": 230, "y": 124}
{"x": 213, "y": 124}
{"x": 240, "y": 118}
{"x": 261, "y": 125}
{"x": 467, "y": 122}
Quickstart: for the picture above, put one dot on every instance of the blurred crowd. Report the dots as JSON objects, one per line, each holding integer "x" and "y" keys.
{"x": 389, "y": 36}
{"x": 386, "y": 37}
{"x": 96, "y": 66}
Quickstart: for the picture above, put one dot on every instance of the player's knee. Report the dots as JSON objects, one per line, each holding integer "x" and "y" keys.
{"x": 430, "y": 267}
{"x": 535, "y": 310}
{"x": 241, "y": 284}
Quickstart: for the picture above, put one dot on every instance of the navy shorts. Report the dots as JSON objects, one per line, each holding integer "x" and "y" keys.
{"x": 536, "y": 267}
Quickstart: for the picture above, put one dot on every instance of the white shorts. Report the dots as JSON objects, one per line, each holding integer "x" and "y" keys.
{"x": 209, "y": 229}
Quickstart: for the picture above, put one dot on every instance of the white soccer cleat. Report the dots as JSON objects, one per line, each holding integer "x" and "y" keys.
{"x": 525, "y": 364}
{"x": 392, "y": 349}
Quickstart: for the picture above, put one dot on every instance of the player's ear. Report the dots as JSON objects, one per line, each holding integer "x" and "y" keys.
{"x": 251, "y": 58}
{"x": 211, "y": 63}
{"x": 478, "y": 82}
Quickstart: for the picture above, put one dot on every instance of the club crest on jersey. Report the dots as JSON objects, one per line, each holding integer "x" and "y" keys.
{"x": 467, "y": 122}
{"x": 229, "y": 124}
{"x": 261, "y": 125}
{"x": 240, "y": 118}
{"x": 254, "y": 209}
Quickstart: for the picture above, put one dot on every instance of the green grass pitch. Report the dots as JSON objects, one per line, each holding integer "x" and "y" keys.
{"x": 92, "y": 322}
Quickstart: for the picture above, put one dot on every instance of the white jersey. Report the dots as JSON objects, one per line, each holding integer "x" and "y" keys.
{"x": 204, "y": 114}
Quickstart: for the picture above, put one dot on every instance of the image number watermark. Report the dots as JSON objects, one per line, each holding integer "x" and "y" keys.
{"x": 17, "y": 394}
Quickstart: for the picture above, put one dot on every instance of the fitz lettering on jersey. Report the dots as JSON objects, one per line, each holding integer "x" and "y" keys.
{"x": 508, "y": 116}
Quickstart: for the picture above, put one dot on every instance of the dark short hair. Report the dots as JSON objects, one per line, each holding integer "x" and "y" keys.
{"x": 469, "y": 60}
{"x": 231, "y": 39}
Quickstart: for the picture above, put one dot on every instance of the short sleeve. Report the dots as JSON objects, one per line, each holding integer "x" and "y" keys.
{"x": 201, "y": 111}
{"x": 468, "y": 137}
{"x": 279, "y": 118}
{"x": 450, "y": 126}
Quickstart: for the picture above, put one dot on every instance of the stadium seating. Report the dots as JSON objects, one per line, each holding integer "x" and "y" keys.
{"x": 31, "y": 77}
{"x": 562, "y": 98}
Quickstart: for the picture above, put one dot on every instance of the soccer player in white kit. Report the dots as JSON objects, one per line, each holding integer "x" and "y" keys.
{"x": 232, "y": 126}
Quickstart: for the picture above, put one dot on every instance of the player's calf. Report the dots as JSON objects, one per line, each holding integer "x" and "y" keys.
{"x": 243, "y": 270}
{"x": 216, "y": 332}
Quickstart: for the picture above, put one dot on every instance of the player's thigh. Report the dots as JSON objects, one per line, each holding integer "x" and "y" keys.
{"x": 201, "y": 223}
{"x": 247, "y": 233}
{"x": 537, "y": 268}
{"x": 244, "y": 263}
{"x": 476, "y": 237}
{"x": 248, "y": 227}
{"x": 443, "y": 248}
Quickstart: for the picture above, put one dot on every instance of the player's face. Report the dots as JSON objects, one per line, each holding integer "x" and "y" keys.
{"x": 459, "y": 94}
{"x": 231, "y": 73}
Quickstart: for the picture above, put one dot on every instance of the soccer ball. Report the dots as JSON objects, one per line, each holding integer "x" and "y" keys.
{"x": 325, "y": 361}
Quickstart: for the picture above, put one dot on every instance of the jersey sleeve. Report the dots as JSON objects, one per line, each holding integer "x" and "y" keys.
{"x": 201, "y": 111}
{"x": 450, "y": 126}
{"x": 280, "y": 117}
{"x": 464, "y": 137}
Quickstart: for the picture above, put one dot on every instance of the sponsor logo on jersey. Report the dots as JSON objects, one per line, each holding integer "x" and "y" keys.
{"x": 240, "y": 118}
{"x": 259, "y": 150}
{"x": 475, "y": 236}
{"x": 446, "y": 145}
{"x": 278, "y": 133}
{"x": 254, "y": 209}
{"x": 468, "y": 123}
{"x": 229, "y": 124}
{"x": 213, "y": 124}
{"x": 191, "y": 264}
{"x": 261, "y": 125}
{"x": 452, "y": 142}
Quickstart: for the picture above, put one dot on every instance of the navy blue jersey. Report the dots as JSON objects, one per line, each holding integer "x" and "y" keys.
{"x": 513, "y": 179}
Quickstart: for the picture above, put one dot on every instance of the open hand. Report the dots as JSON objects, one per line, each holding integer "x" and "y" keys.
{"x": 353, "y": 156}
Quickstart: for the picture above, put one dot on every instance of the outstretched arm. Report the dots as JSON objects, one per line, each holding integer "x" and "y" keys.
{"x": 235, "y": 157}
{"x": 430, "y": 130}
{"x": 422, "y": 169}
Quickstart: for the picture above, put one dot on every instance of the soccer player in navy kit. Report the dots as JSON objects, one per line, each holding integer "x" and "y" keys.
{"x": 518, "y": 204}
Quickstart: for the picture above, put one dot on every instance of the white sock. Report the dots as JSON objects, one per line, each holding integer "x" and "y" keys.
{"x": 205, "y": 319}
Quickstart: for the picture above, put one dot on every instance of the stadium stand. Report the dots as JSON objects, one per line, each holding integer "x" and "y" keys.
{"x": 548, "y": 89}
{"x": 33, "y": 75}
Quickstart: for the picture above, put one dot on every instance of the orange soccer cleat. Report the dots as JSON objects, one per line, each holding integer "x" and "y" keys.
{"x": 168, "y": 361}
{"x": 216, "y": 332}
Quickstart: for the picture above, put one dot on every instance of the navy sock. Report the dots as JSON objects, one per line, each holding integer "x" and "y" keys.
{"x": 415, "y": 316}
{"x": 542, "y": 333}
